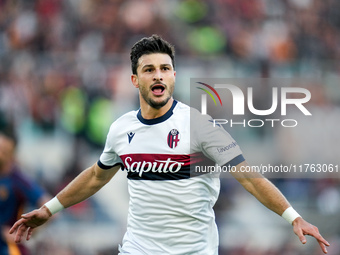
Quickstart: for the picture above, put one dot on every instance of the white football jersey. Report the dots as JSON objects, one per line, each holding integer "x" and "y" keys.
{"x": 170, "y": 209}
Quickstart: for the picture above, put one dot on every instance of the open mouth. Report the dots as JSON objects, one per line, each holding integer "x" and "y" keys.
{"x": 158, "y": 89}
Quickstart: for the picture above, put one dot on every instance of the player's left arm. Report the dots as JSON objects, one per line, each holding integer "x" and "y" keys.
{"x": 270, "y": 196}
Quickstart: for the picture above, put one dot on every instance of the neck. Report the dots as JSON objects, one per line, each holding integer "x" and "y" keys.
{"x": 149, "y": 112}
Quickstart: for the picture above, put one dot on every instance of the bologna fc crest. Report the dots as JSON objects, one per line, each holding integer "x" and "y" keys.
{"x": 173, "y": 138}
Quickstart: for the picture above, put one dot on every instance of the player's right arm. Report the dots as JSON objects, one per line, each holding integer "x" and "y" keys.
{"x": 85, "y": 185}
{"x": 82, "y": 187}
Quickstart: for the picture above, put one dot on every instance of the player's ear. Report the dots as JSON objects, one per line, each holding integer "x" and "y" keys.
{"x": 134, "y": 80}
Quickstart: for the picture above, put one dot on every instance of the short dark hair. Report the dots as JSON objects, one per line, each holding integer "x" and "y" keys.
{"x": 149, "y": 45}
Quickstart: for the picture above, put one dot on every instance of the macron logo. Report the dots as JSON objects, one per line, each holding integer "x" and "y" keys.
{"x": 130, "y": 136}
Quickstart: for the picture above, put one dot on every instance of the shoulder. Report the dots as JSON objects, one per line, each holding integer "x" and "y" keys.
{"x": 124, "y": 120}
{"x": 181, "y": 106}
{"x": 127, "y": 117}
{"x": 184, "y": 109}
{"x": 196, "y": 119}
{"x": 121, "y": 126}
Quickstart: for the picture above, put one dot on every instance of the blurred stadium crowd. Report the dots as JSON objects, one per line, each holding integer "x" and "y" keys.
{"x": 65, "y": 76}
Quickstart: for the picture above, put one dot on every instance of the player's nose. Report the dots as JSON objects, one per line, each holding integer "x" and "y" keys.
{"x": 158, "y": 75}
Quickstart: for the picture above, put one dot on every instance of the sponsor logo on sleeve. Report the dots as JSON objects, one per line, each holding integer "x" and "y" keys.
{"x": 226, "y": 148}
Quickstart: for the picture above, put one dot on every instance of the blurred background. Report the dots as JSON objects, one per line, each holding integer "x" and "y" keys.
{"x": 65, "y": 76}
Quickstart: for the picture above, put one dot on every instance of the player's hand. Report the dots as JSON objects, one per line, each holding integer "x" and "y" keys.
{"x": 29, "y": 222}
{"x": 302, "y": 228}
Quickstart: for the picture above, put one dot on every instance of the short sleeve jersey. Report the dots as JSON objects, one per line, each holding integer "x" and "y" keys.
{"x": 170, "y": 209}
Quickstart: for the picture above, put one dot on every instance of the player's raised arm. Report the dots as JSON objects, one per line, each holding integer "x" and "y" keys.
{"x": 82, "y": 187}
{"x": 272, "y": 198}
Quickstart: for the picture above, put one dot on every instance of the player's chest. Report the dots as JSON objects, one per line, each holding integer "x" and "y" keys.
{"x": 173, "y": 138}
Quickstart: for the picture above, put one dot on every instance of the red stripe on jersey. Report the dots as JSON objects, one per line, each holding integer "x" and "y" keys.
{"x": 184, "y": 159}
{"x": 162, "y": 166}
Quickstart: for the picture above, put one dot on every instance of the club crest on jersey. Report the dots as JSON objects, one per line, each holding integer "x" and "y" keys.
{"x": 173, "y": 138}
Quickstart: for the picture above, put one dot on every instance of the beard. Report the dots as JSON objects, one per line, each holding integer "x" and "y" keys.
{"x": 153, "y": 103}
